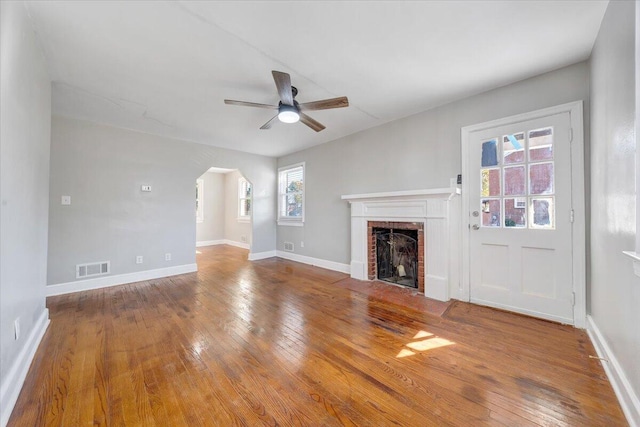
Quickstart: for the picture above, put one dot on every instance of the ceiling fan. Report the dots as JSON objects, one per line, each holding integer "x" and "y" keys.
{"x": 289, "y": 110}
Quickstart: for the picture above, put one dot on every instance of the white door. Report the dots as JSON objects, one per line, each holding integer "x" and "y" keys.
{"x": 520, "y": 235}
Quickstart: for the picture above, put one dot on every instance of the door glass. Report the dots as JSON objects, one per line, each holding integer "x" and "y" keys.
{"x": 490, "y": 182}
{"x": 513, "y": 148}
{"x": 541, "y": 178}
{"x": 491, "y": 212}
{"x": 515, "y": 212}
{"x": 514, "y": 181}
{"x": 541, "y": 144}
{"x": 490, "y": 153}
{"x": 542, "y": 212}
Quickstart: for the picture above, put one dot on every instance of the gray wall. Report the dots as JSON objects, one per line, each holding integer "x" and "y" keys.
{"x": 212, "y": 227}
{"x": 102, "y": 168}
{"x": 418, "y": 152}
{"x": 615, "y": 290}
{"x": 25, "y": 114}
{"x": 234, "y": 230}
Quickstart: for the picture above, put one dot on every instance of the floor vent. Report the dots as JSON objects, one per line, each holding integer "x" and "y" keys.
{"x": 288, "y": 246}
{"x": 92, "y": 269}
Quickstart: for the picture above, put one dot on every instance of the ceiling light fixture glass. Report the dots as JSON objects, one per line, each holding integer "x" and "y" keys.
{"x": 288, "y": 114}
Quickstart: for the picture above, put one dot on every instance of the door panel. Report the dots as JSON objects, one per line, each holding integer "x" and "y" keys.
{"x": 520, "y": 217}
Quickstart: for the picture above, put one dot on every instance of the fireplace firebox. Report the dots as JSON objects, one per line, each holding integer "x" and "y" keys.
{"x": 396, "y": 253}
{"x": 397, "y": 256}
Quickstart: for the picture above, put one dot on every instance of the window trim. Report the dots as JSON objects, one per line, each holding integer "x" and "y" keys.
{"x": 244, "y": 218}
{"x": 199, "y": 200}
{"x": 291, "y": 221}
{"x": 635, "y": 254}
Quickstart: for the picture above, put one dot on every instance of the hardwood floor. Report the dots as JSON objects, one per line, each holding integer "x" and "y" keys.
{"x": 274, "y": 342}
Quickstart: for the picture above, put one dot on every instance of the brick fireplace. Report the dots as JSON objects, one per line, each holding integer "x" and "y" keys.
{"x": 372, "y": 247}
{"x": 434, "y": 213}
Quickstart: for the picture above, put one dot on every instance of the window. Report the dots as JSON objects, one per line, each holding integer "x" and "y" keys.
{"x": 244, "y": 200}
{"x": 517, "y": 180}
{"x": 291, "y": 195}
{"x": 199, "y": 197}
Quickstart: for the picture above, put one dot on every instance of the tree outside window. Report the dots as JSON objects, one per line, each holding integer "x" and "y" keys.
{"x": 291, "y": 194}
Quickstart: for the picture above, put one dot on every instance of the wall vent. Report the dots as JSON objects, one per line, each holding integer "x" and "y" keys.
{"x": 288, "y": 246}
{"x": 93, "y": 269}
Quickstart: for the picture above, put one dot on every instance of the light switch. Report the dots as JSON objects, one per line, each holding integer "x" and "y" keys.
{"x": 66, "y": 200}
{"x": 145, "y": 188}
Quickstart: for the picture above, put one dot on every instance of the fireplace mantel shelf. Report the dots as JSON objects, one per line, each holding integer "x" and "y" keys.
{"x": 406, "y": 195}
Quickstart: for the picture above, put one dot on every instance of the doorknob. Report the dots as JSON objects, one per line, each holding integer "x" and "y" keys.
{"x": 475, "y": 213}
{"x": 476, "y": 227}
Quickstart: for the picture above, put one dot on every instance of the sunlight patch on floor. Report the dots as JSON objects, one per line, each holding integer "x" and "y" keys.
{"x": 427, "y": 344}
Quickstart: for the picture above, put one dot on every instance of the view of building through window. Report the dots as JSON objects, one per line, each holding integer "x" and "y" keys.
{"x": 511, "y": 197}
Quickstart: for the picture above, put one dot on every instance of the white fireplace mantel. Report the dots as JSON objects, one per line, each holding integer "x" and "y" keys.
{"x": 403, "y": 195}
{"x": 438, "y": 209}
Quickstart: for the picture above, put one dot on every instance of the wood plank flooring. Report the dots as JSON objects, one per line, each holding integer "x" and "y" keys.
{"x": 274, "y": 342}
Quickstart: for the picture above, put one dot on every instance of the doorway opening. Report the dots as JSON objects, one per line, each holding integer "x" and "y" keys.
{"x": 223, "y": 205}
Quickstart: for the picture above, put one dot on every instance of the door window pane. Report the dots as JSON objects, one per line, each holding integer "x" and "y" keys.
{"x": 490, "y": 182}
{"x": 515, "y": 212}
{"x": 514, "y": 181}
{"x": 542, "y": 212}
{"x": 513, "y": 148}
{"x": 541, "y": 178}
{"x": 490, "y": 209}
{"x": 541, "y": 144}
{"x": 490, "y": 153}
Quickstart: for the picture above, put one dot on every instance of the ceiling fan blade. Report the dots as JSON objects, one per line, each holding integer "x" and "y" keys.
{"x": 313, "y": 124}
{"x": 283, "y": 83}
{"x": 269, "y": 123}
{"x": 250, "y": 104}
{"x": 326, "y": 104}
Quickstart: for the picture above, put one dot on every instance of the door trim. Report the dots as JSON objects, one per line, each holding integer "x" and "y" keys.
{"x": 578, "y": 229}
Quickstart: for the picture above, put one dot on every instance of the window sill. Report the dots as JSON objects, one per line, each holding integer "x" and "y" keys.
{"x": 635, "y": 256}
{"x": 244, "y": 219}
{"x": 291, "y": 223}
{"x": 199, "y": 221}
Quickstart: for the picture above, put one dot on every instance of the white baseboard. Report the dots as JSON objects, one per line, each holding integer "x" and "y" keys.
{"x": 621, "y": 385}
{"x": 329, "y": 265}
{"x": 222, "y": 242}
{"x": 261, "y": 255}
{"x": 120, "y": 279}
{"x": 209, "y": 243}
{"x": 237, "y": 244}
{"x": 16, "y": 375}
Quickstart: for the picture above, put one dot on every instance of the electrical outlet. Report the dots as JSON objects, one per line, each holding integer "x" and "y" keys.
{"x": 145, "y": 188}
{"x": 16, "y": 329}
{"x": 302, "y": 244}
{"x": 167, "y": 257}
{"x": 139, "y": 259}
{"x": 65, "y": 200}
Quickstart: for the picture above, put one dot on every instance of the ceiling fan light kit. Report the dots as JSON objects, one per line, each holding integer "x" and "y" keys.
{"x": 289, "y": 111}
{"x": 288, "y": 114}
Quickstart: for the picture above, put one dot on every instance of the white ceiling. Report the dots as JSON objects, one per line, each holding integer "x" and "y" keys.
{"x": 165, "y": 67}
